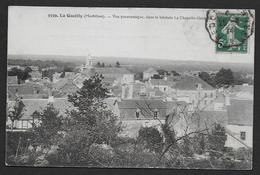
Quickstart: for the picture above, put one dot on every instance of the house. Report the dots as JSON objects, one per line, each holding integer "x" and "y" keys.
{"x": 35, "y": 75}
{"x": 240, "y": 124}
{"x": 195, "y": 91}
{"x": 149, "y": 73}
{"x": 196, "y": 121}
{"x": 27, "y": 90}
{"x": 163, "y": 85}
{"x": 137, "y": 113}
{"x": 63, "y": 87}
{"x": 140, "y": 90}
{"x": 121, "y": 74}
{"x": 32, "y": 105}
{"x": 12, "y": 80}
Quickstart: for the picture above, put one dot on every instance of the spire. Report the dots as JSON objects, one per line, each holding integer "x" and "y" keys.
{"x": 89, "y": 61}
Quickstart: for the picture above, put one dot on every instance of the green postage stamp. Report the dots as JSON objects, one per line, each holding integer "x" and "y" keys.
{"x": 230, "y": 30}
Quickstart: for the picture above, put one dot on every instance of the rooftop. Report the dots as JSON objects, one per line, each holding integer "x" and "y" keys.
{"x": 32, "y": 105}
{"x": 191, "y": 83}
{"x": 240, "y": 112}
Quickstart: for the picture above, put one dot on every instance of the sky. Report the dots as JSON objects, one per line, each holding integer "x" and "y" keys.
{"x": 32, "y": 31}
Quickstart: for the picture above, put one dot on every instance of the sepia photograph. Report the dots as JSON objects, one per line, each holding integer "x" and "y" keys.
{"x": 130, "y": 87}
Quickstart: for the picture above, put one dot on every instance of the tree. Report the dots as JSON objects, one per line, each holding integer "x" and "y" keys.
{"x": 47, "y": 126}
{"x": 62, "y": 75}
{"x": 103, "y": 64}
{"x": 117, "y": 64}
{"x": 207, "y": 78}
{"x": 163, "y": 72}
{"x": 156, "y": 76}
{"x": 151, "y": 138}
{"x": 98, "y": 64}
{"x": 15, "y": 112}
{"x": 217, "y": 139}
{"x": 224, "y": 77}
{"x": 21, "y": 74}
{"x": 174, "y": 73}
{"x": 91, "y": 122}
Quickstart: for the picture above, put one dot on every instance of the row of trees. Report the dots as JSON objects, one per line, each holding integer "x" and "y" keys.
{"x": 102, "y": 64}
{"x": 89, "y": 135}
{"x": 225, "y": 77}
{"x": 22, "y": 75}
{"x": 40, "y": 63}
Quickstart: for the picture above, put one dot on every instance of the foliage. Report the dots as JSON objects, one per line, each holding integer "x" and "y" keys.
{"x": 174, "y": 73}
{"x": 21, "y": 74}
{"x": 41, "y": 63}
{"x": 151, "y": 138}
{"x": 224, "y": 77}
{"x": 240, "y": 78}
{"x": 156, "y": 76}
{"x": 216, "y": 140}
{"x": 207, "y": 78}
{"x": 62, "y": 75}
{"x": 47, "y": 126}
{"x": 15, "y": 112}
{"x": 99, "y": 64}
{"x": 117, "y": 64}
{"x": 163, "y": 72}
{"x": 12, "y": 141}
{"x": 89, "y": 123}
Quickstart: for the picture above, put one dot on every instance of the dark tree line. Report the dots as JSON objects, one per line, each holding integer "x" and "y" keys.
{"x": 225, "y": 77}
{"x": 22, "y": 75}
{"x": 40, "y": 63}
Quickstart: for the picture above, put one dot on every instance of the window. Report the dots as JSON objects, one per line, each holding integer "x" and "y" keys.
{"x": 137, "y": 113}
{"x": 164, "y": 89}
{"x": 24, "y": 124}
{"x": 211, "y": 95}
{"x": 243, "y": 135}
{"x": 155, "y": 113}
{"x": 206, "y": 95}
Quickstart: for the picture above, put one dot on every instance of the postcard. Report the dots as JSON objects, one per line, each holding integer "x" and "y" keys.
{"x": 130, "y": 87}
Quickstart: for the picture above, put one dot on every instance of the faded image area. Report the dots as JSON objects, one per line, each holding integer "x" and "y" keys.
{"x": 130, "y": 88}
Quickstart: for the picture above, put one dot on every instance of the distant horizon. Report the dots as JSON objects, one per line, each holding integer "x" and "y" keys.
{"x": 81, "y": 57}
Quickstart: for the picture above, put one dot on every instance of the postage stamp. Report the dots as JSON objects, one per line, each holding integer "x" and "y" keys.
{"x": 230, "y": 30}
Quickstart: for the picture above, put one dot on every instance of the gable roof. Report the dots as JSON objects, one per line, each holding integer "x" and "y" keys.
{"x": 240, "y": 112}
{"x": 32, "y": 105}
{"x": 147, "y": 107}
{"x": 161, "y": 82}
{"x": 27, "y": 89}
{"x": 191, "y": 82}
{"x": 142, "y": 103}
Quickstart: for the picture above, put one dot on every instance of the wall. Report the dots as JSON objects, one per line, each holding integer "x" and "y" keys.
{"x": 235, "y": 130}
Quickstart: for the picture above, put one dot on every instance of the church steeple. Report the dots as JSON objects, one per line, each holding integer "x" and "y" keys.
{"x": 89, "y": 61}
